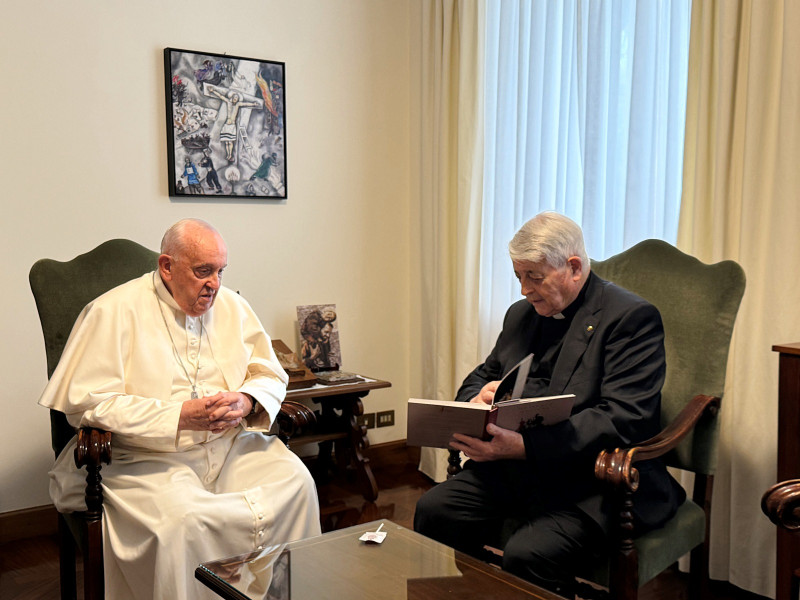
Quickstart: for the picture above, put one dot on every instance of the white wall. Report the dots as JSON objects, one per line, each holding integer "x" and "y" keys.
{"x": 83, "y": 160}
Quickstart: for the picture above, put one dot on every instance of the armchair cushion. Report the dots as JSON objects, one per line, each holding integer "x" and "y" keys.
{"x": 658, "y": 548}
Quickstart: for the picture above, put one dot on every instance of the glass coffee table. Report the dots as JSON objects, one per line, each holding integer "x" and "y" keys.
{"x": 405, "y": 566}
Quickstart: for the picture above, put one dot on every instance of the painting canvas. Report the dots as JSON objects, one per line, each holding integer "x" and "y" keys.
{"x": 226, "y": 125}
{"x": 319, "y": 337}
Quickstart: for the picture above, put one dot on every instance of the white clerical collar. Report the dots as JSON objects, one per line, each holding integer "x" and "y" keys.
{"x": 163, "y": 292}
{"x": 559, "y": 316}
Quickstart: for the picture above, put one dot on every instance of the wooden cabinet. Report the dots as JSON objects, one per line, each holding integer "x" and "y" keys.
{"x": 788, "y": 542}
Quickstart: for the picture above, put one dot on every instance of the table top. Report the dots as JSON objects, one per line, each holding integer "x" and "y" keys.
{"x": 793, "y": 348}
{"x": 318, "y": 390}
{"x": 405, "y": 566}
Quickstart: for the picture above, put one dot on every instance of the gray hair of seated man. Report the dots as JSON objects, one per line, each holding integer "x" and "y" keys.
{"x": 173, "y": 241}
{"x": 549, "y": 237}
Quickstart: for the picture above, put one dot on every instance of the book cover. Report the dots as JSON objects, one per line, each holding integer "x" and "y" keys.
{"x": 433, "y": 422}
{"x": 532, "y": 412}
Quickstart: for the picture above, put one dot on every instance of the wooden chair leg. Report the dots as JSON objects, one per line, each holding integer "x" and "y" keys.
{"x": 453, "y": 463}
{"x": 93, "y": 572}
{"x": 698, "y": 572}
{"x": 66, "y": 561}
{"x": 624, "y": 574}
{"x": 624, "y": 582}
{"x": 699, "y": 557}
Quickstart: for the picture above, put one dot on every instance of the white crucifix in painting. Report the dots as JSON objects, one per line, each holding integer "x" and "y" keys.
{"x": 235, "y": 117}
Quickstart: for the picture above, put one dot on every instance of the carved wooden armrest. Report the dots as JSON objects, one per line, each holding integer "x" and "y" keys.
{"x": 294, "y": 419}
{"x": 616, "y": 468}
{"x": 93, "y": 449}
{"x": 781, "y": 503}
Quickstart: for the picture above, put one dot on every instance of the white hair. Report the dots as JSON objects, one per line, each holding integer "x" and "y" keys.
{"x": 549, "y": 237}
{"x": 174, "y": 240}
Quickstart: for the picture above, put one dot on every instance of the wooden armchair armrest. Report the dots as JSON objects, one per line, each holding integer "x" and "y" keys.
{"x": 93, "y": 449}
{"x": 294, "y": 419}
{"x": 781, "y": 503}
{"x": 616, "y": 468}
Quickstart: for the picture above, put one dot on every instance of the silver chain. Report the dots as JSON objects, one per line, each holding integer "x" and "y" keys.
{"x": 175, "y": 348}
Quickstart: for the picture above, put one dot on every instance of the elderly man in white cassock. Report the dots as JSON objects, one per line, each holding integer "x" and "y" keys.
{"x": 180, "y": 369}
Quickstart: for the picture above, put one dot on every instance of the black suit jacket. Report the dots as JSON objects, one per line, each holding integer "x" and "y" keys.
{"x": 613, "y": 360}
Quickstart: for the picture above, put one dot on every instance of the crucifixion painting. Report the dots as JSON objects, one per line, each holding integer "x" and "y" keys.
{"x": 226, "y": 118}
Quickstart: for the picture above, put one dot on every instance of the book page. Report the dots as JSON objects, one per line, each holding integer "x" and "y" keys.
{"x": 513, "y": 383}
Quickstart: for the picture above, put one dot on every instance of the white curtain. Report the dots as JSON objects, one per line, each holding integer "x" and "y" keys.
{"x": 585, "y": 109}
{"x": 740, "y": 202}
{"x": 451, "y": 172}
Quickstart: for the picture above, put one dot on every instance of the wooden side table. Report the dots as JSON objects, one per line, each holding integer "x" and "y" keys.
{"x": 788, "y": 542}
{"x": 337, "y": 430}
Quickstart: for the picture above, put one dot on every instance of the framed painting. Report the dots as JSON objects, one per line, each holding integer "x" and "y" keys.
{"x": 226, "y": 125}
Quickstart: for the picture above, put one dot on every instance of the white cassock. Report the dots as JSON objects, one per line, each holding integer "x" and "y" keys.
{"x": 176, "y": 499}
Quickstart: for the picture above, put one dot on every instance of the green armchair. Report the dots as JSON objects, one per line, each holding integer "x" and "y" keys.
{"x": 61, "y": 290}
{"x": 698, "y": 304}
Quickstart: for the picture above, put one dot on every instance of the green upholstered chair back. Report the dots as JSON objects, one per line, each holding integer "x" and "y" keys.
{"x": 698, "y": 304}
{"x": 62, "y": 289}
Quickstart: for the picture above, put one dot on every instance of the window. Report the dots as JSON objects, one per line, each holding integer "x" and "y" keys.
{"x": 585, "y": 114}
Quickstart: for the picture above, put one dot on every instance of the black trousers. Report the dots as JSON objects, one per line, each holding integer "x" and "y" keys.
{"x": 548, "y": 545}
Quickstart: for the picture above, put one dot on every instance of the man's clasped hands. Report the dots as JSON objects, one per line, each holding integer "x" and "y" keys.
{"x": 217, "y": 413}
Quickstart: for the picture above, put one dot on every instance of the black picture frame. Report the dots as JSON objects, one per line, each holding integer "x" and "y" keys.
{"x": 226, "y": 126}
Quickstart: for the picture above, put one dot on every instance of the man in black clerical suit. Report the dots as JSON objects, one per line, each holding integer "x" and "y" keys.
{"x": 590, "y": 338}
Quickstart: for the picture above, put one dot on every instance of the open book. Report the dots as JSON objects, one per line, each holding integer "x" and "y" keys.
{"x": 433, "y": 422}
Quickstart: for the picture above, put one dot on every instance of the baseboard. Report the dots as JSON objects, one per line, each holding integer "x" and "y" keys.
{"x": 43, "y": 520}
{"x": 28, "y": 523}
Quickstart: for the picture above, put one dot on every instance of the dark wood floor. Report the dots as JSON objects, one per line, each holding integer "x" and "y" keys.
{"x": 29, "y": 569}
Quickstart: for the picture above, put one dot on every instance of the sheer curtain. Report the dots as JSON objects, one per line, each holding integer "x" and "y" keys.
{"x": 585, "y": 107}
